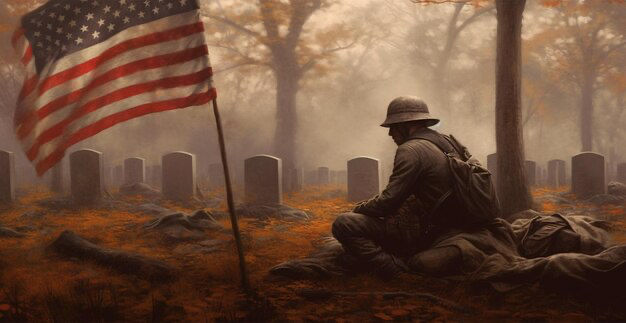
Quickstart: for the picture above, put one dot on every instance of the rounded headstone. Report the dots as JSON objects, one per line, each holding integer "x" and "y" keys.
{"x": 588, "y": 174}
{"x": 155, "y": 175}
{"x": 323, "y": 176}
{"x": 86, "y": 176}
{"x": 263, "y": 180}
{"x": 7, "y": 177}
{"x": 179, "y": 175}
{"x": 621, "y": 173}
{"x": 363, "y": 178}
{"x": 134, "y": 170}
{"x": 556, "y": 173}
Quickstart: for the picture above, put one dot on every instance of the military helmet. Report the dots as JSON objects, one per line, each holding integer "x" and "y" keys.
{"x": 408, "y": 108}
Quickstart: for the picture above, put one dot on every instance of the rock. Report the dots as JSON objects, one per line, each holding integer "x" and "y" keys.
{"x": 554, "y": 199}
{"x": 69, "y": 244}
{"x": 606, "y": 199}
{"x": 185, "y": 227}
{"x": 616, "y": 188}
{"x": 266, "y": 212}
{"x": 9, "y": 233}
{"x": 527, "y": 214}
{"x": 203, "y": 247}
{"x": 139, "y": 189}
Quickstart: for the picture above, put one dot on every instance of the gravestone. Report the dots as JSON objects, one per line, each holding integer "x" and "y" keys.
{"x": 263, "y": 180}
{"x": 621, "y": 173}
{"x": 310, "y": 177}
{"x": 556, "y": 173}
{"x": 531, "y": 172}
{"x": 7, "y": 177}
{"x": 134, "y": 170}
{"x": 216, "y": 175}
{"x": 155, "y": 175}
{"x": 333, "y": 177}
{"x": 588, "y": 174}
{"x": 492, "y": 166}
{"x": 323, "y": 176}
{"x": 363, "y": 178}
{"x": 86, "y": 178}
{"x": 179, "y": 175}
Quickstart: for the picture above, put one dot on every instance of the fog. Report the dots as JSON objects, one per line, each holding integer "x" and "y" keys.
{"x": 393, "y": 48}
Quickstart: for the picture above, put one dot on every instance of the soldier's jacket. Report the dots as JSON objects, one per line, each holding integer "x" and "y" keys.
{"x": 420, "y": 171}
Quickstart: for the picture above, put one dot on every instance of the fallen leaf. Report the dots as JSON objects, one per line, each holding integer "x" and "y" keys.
{"x": 383, "y": 316}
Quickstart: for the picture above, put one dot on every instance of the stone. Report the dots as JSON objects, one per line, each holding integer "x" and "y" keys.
{"x": 216, "y": 176}
{"x": 616, "y": 188}
{"x": 323, "y": 176}
{"x": 556, "y": 173}
{"x": 333, "y": 177}
{"x": 118, "y": 175}
{"x": 181, "y": 227}
{"x": 363, "y": 178}
{"x": 492, "y": 166}
{"x": 134, "y": 170}
{"x": 7, "y": 177}
{"x": 86, "y": 169}
{"x": 531, "y": 172}
{"x": 310, "y": 177}
{"x": 179, "y": 175}
{"x": 139, "y": 189}
{"x": 621, "y": 172}
{"x": 267, "y": 212}
{"x": 10, "y": 233}
{"x": 588, "y": 176}
{"x": 263, "y": 180}
{"x": 294, "y": 180}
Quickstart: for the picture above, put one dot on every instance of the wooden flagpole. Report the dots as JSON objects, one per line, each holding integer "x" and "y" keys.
{"x": 245, "y": 283}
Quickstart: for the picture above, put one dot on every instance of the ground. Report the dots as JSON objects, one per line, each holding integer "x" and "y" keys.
{"x": 39, "y": 285}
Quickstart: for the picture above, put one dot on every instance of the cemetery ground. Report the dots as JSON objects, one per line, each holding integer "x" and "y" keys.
{"x": 39, "y": 284}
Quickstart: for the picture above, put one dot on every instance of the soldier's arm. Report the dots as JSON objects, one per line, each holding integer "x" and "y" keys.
{"x": 406, "y": 168}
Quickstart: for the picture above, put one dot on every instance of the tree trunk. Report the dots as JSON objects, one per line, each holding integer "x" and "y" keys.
{"x": 287, "y": 87}
{"x": 513, "y": 189}
{"x": 586, "y": 108}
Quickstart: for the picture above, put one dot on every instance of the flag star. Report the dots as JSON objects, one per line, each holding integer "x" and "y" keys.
{"x": 122, "y": 2}
{"x": 155, "y": 10}
{"x": 79, "y": 40}
{"x": 100, "y": 22}
{"x": 56, "y": 5}
{"x": 42, "y": 12}
{"x": 63, "y": 48}
{"x": 96, "y": 34}
{"x": 49, "y": 48}
{"x": 147, "y": 3}
{"x": 52, "y": 15}
{"x": 160, "y": 0}
{"x": 183, "y": 2}
{"x": 67, "y": 7}
{"x": 89, "y": 16}
{"x": 111, "y": 27}
{"x": 141, "y": 14}
{"x": 33, "y": 20}
{"x": 116, "y": 14}
{"x": 169, "y": 5}
{"x": 37, "y": 34}
{"x": 73, "y": 23}
{"x": 107, "y": 9}
{"x": 57, "y": 42}
{"x": 61, "y": 18}
{"x": 39, "y": 23}
{"x": 49, "y": 26}
{"x": 59, "y": 30}
{"x": 68, "y": 36}
{"x": 83, "y": 1}
{"x": 84, "y": 28}
{"x": 131, "y": 7}
{"x": 77, "y": 10}
{"x": 39, "y": 44}
{"x": 126, "y": 20}
{"x": 48, "y": 38}
{"x": 95, "y": 3}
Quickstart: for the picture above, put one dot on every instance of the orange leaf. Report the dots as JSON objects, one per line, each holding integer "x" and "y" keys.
{"x": 383, "y": 316}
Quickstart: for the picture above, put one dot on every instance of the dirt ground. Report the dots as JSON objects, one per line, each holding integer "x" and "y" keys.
{"x": 37, "y": 285}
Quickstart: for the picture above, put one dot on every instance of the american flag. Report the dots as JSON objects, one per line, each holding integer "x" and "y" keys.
{"x": 91, "y": 64}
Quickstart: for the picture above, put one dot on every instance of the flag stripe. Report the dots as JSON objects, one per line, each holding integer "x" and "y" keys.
{"x": 171, "y": 82}
{"x": 154, "y": 38}
{"x": 105, "y": 123}
{"x": 28, "y": 86}
{"x": 28, "y": 55}
{"x": 113, "y": 74}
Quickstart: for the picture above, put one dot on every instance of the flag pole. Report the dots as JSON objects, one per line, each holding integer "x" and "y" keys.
{"x": 231, "y": 204}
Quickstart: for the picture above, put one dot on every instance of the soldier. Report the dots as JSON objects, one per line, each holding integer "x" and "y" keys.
{"x": 388, "y": 232}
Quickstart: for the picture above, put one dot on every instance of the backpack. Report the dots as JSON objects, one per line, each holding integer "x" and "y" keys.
{"x": 472, "y": 185}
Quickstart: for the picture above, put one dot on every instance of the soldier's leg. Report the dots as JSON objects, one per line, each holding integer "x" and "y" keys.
{"x": 361, "y": 237}
{"x": 437, "y": 261}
